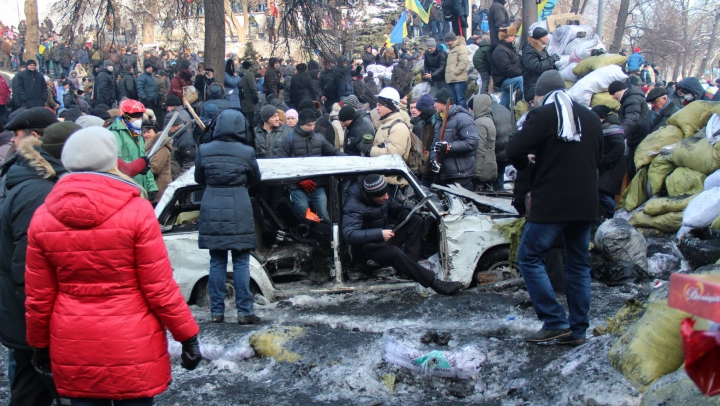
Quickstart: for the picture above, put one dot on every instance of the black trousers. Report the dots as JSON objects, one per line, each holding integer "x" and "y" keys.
{"x": 29, "y": 388}
{"x": 458, "y": 26}
{"x": 389, "y": 253}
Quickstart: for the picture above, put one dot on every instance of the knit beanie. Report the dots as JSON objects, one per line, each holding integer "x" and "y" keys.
{"x": 291, "y": 113}
{"x": 266, "y": 112}
{"x": 450, "y": 36}
{"x": 173, "y": 101}
{"x": 442, "y": 96}
{"x": 98, "y": 112}
{"x": 347, "y": 113}
{"x": 306, "y": 104}
{"x": 90, "y": 121}
{"x": 90, "y": 149}
{"x": 425, "y": 102}
{"x": 55, "y": 136}
{"x": 431, "y": 43}
{"x": 307, "y": 116}
{"x": 549, "y": 81}
{"x": 147, "y": 65}
{"x": 539, "y": 32}
{"x": 73, "y": 114}
{"x": 615, "y": 87}
{"x": 352, "y": 101}
{"x": 375, "y": 186}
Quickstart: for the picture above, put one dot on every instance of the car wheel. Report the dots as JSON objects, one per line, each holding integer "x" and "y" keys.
{"x": 494, "y": 266}
{"x": 201, "y": 295}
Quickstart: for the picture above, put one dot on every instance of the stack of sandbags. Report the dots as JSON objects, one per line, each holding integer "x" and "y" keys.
{"x": 693, "y": 117}
{"x": 654, "y": 142}
{"x": 664, "y": 214}
{"x": 566, "y": 34}
{"x": 595, "y": 82}
{"x": 604, "y": 99}
{"x": 596, "y": 62}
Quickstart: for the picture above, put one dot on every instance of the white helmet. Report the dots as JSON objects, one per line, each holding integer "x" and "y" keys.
{"x": 390, "y": 94}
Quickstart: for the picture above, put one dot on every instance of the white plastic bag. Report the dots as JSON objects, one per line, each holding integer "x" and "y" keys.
{"x": 595, "y": 82}
{"x": 420, "y": 89}
{"x": 712, "y": 181}
{"x": 563, "y": 35}
{"x": 702, "y": 210}
{"x": 584, "y": 48}
{"x": 563, "y": 62}
{"x": 462, "y": 364}
{"x": 712, "y": 130}
{"x": 567, "y": 73}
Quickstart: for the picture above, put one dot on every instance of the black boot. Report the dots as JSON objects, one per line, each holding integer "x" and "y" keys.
{"x": 446, "y": 287}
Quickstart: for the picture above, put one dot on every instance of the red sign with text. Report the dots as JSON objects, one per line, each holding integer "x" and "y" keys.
{"x": 696, "y": 294}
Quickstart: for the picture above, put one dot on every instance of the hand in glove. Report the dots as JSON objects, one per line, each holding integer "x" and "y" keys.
{"x": 441, "y": 148}
{"x": 435, "y": 167}
{"x": 41, "y": 361}
{"x": 365, "y": 148}
{"x": 147, "y": 165}
{"x": 308, "y": 186}
{"x": 152, "y": 196}
{"x": 191, "y": 355}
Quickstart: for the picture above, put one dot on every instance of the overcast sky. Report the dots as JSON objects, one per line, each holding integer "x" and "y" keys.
{"x": 10, "y": 10}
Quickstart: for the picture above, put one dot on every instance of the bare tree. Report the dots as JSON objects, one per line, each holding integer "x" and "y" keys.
{"x": 620, "y": 28}
{"x": 32, "y": 35}
{"x": 215, "y": 37}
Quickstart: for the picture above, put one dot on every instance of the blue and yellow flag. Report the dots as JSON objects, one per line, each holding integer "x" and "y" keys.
{"x": 399, "y": 31}
{"x": 414, "y": 5}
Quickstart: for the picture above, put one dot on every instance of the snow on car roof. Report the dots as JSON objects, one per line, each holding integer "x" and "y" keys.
{"x": 291, "y": 168}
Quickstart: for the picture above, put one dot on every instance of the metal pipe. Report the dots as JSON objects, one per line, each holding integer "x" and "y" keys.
{"x": 601, "y": 15}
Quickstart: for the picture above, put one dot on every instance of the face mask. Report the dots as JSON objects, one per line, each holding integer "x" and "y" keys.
{"x": 110, "y": 68}
{"x": 688, "y": 97}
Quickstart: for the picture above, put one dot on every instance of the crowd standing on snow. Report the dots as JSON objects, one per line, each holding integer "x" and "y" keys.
{"x": 79, "y": 122}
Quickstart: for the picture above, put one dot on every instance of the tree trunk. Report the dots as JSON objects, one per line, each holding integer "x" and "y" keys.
{"x": 32, "y": 35}
{"x": 239, "y": 30}
{"x": 620, "y": 28}
{"x": 711, "y": 43}
{"x": 215, "y": 38}
{"x": 575, "y": 7}
{"x": 148, "y": 22}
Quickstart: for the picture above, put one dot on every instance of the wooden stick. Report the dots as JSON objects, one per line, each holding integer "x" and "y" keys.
{"x": 192, "y": 112}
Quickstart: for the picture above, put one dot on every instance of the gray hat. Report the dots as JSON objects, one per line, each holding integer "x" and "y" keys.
{"x": 267, "y": 111}
{"x": 431, "y": 43}
{"x": 90, "y": 121}
{"x": 107, "y": 63}
{"x": 450, "y": 36}
{"x": 55, "y": 137}
{"x": 549, "y": 81}
{"x": 90, "y": 149}
{"x": 352, "y": 101}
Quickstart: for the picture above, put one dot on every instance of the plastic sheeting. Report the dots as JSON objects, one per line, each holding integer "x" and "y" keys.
{"x": 595, "y": 82}
{"x": 703, "y": 209}
{"x": 462, "y": 364}
{"x": 620, "y": 241}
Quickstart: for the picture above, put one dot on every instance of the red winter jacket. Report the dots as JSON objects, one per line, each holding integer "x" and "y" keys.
{"x": 182, "y": 79}
{"x": 100, "y": 290}
{"x": 4, "y": 91}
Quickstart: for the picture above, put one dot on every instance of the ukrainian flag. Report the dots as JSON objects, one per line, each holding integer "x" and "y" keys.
{"x": 414, "y": 5}
{"x": 399, "y": 31}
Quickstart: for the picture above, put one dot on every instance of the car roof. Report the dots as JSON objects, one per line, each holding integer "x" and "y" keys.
{"x": 295, "y": 168}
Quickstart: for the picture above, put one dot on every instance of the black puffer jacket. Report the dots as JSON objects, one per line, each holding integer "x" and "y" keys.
{"x": 30, "y": 88}
{"x": 354, "y": 134}
{"x": 498, "y": 17}
{"x": 634, "y": 115}
{"x": 267, "y": 143}
{"x": 184, "y": 151}
{"x": 215, "y": 103}
{"x": 302, "y": 88}
{"x": 30, "y": 175}
{"x": 70, "y": 101}
{"x": 505, "y": 127}
{"x": 104, "y": 88}
{"x": 225, "y": 168}
{"x": 462, "y": 136}
{"x": 534, "y": 63}
{"x": 435, "y": 64}
{"x": 612, "y": 165}
{"x": 298, "y": 144}
{"x": 368, "y": 58}
{"x": 505, "y": 63}
{"x": 363, "y": 220}
{"x": 126, "y": 86}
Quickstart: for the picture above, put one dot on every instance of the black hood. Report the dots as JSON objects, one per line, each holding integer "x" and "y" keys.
{"x": 231, "y": 125}
{"x": 692, "y": 84}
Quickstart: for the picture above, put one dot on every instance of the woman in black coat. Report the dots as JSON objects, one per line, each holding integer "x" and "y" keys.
{"x": 226, "y": 167}
{"x": 302, "y": 86}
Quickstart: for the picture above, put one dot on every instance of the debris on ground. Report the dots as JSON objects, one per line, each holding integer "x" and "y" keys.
{"x": 269, "y": 343}
{"x": 463, "y": 363}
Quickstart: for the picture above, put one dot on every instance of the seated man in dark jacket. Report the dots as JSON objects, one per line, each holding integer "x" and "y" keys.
{"x": 303, "y": 141}
{"x": 612, "y": 165}
{"x": 506, "y": 66}
{"x": 366, "y": 216}
{"x": 661, "y": 108}
{"x": 535, "y": 61}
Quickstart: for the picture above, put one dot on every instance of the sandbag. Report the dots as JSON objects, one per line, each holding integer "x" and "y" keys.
{"x": 670, "y": 204}
{"x": 659, "y": 169}
{"x": 651, "y": 145}
{"x": 595, "y": 82}
{"x": 703, "y": 209}
{"x": 604, "y": 99}
{"x": 569, "y": 84}
{"x": 712, "y": 181}
{"x": 596, "y": 62}
{"x": 565, "y": 34}
{"x": 627, "y": 315}
{"x": 567, "y": 74}
{"x": 650, "y": 348}
{"x": 693, "y": 116}
{"x": 563, "y": 62}
{"x": 684, "y": 181}
{"x": 637, "y": 191}
{"x": 697, "y": 153}
{"x": 617, "y": 240}
{"x": 521, "y": 108}
{"x": 666, "y": 223}
{"x": 583, "y": 50}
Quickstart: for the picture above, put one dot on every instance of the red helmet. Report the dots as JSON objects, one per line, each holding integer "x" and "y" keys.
{"x": 129, "y": 106}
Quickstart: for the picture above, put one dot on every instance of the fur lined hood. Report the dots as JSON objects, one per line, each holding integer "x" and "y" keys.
{"x": 31, "y": 162}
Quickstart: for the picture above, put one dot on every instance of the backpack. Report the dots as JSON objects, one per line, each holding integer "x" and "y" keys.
{"x": 414, "y": 159}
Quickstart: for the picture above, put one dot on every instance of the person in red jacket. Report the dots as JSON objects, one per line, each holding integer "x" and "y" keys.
{"x": 182, "y": 79}
{"x": 100, "y": 298}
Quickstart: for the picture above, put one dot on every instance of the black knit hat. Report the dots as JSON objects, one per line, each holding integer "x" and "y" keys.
{"x": 54, "y": 137}
{"x": 36, "y": 117}
{"x": 347, "y": 113}
{"x": 539, "y": 32}
{"x": 173, "y": 101}
{"x": 615, "y": 87}
{"x": 602, "y": 111}
{"x": 442, "y": 96}
{"x": 306, "y": 104}
{"x": 306, "y": 116}
{"x": 375, "y": 186}
{"x": 98, "y": 112}
{"x": 147, "y": 65}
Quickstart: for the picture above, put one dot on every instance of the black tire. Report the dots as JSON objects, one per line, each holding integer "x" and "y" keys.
{"x": 201, "y": 294}
{"x": 494, "y": 266}
{"x": 700, "y": 252}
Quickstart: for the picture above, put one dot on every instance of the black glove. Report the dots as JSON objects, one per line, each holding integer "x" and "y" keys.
{"x": 41, "y": 361}
{"x": 435, "y": 167}
{"x": 365, "y": 148}
{"x": 191, "y": 356}
{"x": 147, "y": 165}
{"x": 441, "y": 148}
{"x": 152, "y": 196}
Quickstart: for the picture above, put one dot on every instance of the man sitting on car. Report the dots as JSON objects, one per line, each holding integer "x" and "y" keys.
{"x": 366, "y": 215}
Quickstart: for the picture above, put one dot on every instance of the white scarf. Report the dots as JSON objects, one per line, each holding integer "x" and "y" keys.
{"x": 568, "y": 128}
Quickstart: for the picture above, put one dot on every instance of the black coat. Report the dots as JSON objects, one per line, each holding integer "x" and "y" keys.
{"x": 354, "y": 135}
{"x": 461, "y": 133}
{"x": 225, "y": 168}
{"x": 363, "y": 220}
{"x": 565, "y": 177}
{"x": 498, "y": 17}
{"x": 505, "y": 63}
{"x": 70, "y": 101}
{"x": 505, "y": 127}
{"x": 301, "y": 87}
{"x": 613, "y": 164}
{"x": 31, "y": 88}
{"x": 435, "y": 63}
{"x": 299, "y": 144}
{"x": 634, "y": 115}
{"x": 104, "y": 88}
{"x": 126, "y": 87}
{"x": 268, "y": 142}
{"x": 659, "y": 120}
{"x": 534, "y": 63}
{"x": 30, "y": 175}
{"x": 184, "y": 150}
{"x": 368, "y": 59}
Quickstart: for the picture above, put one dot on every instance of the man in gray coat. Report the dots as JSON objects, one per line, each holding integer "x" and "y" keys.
{"x": 486, "y": 169}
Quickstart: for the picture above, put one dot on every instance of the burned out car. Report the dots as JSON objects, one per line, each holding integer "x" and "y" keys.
{"x": 461, "y": 240}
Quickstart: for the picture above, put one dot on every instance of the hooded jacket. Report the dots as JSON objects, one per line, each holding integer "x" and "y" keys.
{"x": 457, "y": 62}
{"x": 178, "y": 83}
{"x": 105, "y": 90}
{"x": 214, "y": 104}
{"x": 126, "y": 86}
{"x": 70, "y": 101}
{"x": 354, "y": 134}
{"x": 249, "y": 91}
{"x": 462, "y": 137}
{"x": 393, "y": 136}
{"x": 297, "y": 143}
{"x": 505, "y": 127}
{"x": 435, "y": 64}
{"x": 146, "y": 87}
{"x": 659, "y": 119}
{"x": 535, "y": 61}
{"x": 634, "y": 115}
{"x": 486, "y": 169}
{"x": 498, "y": 17}
{"x": 101, "y": 297}
{"x": 613, "y": 164}
{"x": 505, "y": 63}
{"x": 226, "y": 167}
{"x": 693, "y": 85}
{"x": 29, "y": 174}
{"x": 302, "y": 88}
{"x": 272, "y": 81}
{"x": 267, "y": 143}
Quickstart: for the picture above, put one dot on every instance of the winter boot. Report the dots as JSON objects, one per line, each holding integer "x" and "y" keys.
{"x": 251, "y": 319}
{"x": 217, "y": 319}
{"x": 446, "y": 287}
